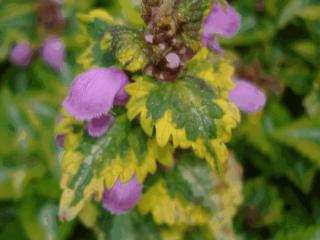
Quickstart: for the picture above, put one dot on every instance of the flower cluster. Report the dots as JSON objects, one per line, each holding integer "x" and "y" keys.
{"x": 95, "y": 92}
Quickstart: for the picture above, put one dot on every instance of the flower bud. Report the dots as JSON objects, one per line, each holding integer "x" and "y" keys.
{"x": 220, "y": 22}
{"x": 122, "y": 197}
{"x": 247, "y": 96}
{"x": 21, "y": 54}
{"x": 53, "y": 52}
{"x": 173, "y": 60}
{"x": 93, "y": 92}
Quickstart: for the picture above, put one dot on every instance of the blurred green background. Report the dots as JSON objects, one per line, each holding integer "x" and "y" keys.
{"x": 277, "y": 48}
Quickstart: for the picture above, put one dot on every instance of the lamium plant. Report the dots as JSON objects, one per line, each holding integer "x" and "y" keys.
{"x": 144, "y": 127}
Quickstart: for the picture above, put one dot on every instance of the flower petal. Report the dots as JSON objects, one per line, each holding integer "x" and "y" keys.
{"x": 98, "y": 126}
{"x": 121, "y": 97}
{"x": 247, "y": 97}
{"x": 122, "y": 197}
{"x": 21, "y": 54}
{"x": 53, "y": 52}
{"x": 224, "y": 22}
{"x": 92, "y": 93}
{"x": 213, "y": 44}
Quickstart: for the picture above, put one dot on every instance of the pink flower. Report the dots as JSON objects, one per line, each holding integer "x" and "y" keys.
{"x": 98, "y": 126}
{"x": 220, "y": 22}
{"x": 247, "y": 97}
{"x": 21, "y": 54}
{"x": 53, "y": 52}
{"x": 92, "y": 93}
{"x": 122, "y": 197}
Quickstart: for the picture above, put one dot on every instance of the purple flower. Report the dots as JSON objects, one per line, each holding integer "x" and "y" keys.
{"x": 21, "y": 54}
{"x": 122, "y": 197}
{"x": 53, "y": 52}
{"x": 122, "y": 97}
{"x": 220, "y": 22}
{"x": 92, "y": 93}
{"x": 98, "y": 126}
{"x": 247, "y": 97}
{"x": 60, "y": 140}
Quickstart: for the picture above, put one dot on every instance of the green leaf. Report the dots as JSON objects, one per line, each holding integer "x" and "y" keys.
{"x": 193, "y": 111}
{"x": 127, "y": 226}
{"x": 305, "y": 233}
{"x": 272, "y": 158}
{"x": 130, "y": 12}
{"x": 40, "y": 222}
{"x": 304, "y": 136}
{"x": 17, "y": 21}
{"x": 112, "y": 43}
{"x": 263, "y": 205}
{"x": 312, "y": 101}
{"x": 307, "y": 50}
{"x": 132, "y": 227}
{"x": 192, "y": 13}
{"x": 90, "y": 164}
{"x": 291, "y": 10}
{"x": 190, "y": 184}
{"x": 310, "y": 12}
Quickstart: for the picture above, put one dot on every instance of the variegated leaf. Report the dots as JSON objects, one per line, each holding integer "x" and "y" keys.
{"x": 194, "y": 196}
{"x": 91, "y": 164}
{"x": 191, "y": 112}
{"x": 111, "y": 43}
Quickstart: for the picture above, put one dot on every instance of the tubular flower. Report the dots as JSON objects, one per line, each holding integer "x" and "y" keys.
{"x": 53, "y": 52}
{"x": 122, "y": 197}
{"x": 247, "y": 97}
{"x": 98, "y": 126}
{"x": 21, "y": 54}
{"x": 221, "y": 21}
{"x": 92, "y": 93}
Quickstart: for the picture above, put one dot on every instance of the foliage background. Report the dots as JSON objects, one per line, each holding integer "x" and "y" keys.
{"x": 277, "y": 48}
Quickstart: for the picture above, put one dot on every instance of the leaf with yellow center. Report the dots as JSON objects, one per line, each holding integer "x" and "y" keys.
{"x": 189, "y": 113}
{"x": 112, "y": 44}
{"x": 90, "y": 164}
